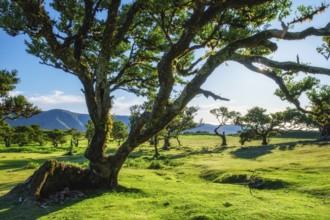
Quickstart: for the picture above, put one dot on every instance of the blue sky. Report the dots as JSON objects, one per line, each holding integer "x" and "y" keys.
{"x": 50, "y": 88}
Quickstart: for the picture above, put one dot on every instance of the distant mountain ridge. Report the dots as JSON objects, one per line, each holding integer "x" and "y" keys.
{"x": 209, "y": 128}
{"x": 63, "y": 120}
{"x": 60, "y": 119}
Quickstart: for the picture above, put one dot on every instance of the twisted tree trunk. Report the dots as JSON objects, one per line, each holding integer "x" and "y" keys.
{"x": 222, "y": 136}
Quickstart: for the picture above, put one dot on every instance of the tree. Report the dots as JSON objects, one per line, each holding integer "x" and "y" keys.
{"x": 56, "y": 136}
{"x": 13, "y": 107}
{"x": 38, "y": 135}
{"x": 147, "y": 48}
{"x": 6, "y": 132}
{"x": 23, "y": 135}
{"x": 319, "y": 101}
{"x": 119, "y": 131}
{"x": 182, "y": 122}
{"x": 224, "y": 116}
{"x": 256, "y": 124}
{"x": 75, "y": 138}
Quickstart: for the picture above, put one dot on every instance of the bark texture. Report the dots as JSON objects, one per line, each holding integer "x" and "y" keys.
{"x": 52, "y": 177}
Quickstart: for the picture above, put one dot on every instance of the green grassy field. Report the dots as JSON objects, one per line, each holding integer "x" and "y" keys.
{"x": 199, "y": 180}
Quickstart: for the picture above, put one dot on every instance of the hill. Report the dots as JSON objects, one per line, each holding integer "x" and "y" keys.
{"x": 60, "y": 119}
{"x": 63, "y": 120}
{"x": 209, "y": 128}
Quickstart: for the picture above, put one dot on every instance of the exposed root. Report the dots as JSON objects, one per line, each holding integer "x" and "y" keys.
{"x": 50, "y": 178}
{"x": 60, "y": 197}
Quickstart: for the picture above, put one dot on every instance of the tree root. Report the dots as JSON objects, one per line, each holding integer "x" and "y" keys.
{"x": 52, "y": 177}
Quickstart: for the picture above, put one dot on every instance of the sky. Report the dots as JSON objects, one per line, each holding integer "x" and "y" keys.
{"x": 50, "y": 88}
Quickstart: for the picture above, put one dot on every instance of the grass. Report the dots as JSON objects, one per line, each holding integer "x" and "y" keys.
{"x": 200, "y": 180}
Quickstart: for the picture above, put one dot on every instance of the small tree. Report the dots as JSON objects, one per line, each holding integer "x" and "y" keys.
{"x": 119, "y": 131}
{"x": 56, "y": 136}
{"x": 257, "y": 124}
{"x": 38, "y": 135}
{"x": 6, "y": 132}
{"x": 23, "y": 135}
{"x": 224, "y": 116}
{"x": 75, "y": 137}
{"x": 182, "y": 122}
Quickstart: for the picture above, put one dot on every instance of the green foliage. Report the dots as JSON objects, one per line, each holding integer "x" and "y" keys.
{"x": 119, "y": 131}
{"x": 12, "y": 107}
{"x": 6, "y": 132}
{"x": 23, "y": 135}
{"x": 324, "y": 49}
{"x": 182, "y": 122}
{"x": 7, "y": 81}
{"x": 319, "y": 101}
{"x": 56, "y": 136}
{"x": 258, "y": 124}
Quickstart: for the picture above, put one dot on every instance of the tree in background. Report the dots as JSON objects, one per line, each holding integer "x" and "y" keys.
{"x": 38, "y": 135}
{"x": 23, "y": 135}
{"x": 224, "y": 117}
{"x": 318, "y": 96}
{"x": 119, "y": 131}
{"x": 13, "y": 107}
{"x": 257, "y": 124}
{"x": 75, "y": 137}
{"x": 56, "y": 136}
{"x": 147, "y": 48}
{"x": 178, "y": 125}
{"x": 6, "y": 132}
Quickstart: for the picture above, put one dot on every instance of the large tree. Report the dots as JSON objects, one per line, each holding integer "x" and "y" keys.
{"x": 150, "y": 48}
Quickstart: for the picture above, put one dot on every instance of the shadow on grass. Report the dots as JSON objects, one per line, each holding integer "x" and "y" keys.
{"x": 18, "y": 163}
{"x": 254, "y": 152}
{"x": 202, "y": 151}
{"x": 11, "y": 209}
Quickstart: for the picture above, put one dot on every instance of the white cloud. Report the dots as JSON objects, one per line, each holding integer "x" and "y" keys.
{"x": 122, "y": 104}
{"x": 55, "y": 98}
{"x": 15, "y": 93}
{"x": 59, "y": 100}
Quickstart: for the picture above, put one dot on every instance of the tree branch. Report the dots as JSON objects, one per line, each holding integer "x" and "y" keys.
{"x": 293, "y": 66}
{"x": 208, "y": 94}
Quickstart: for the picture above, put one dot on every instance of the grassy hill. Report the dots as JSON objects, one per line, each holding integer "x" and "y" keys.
{"x": 199, "y": 180}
